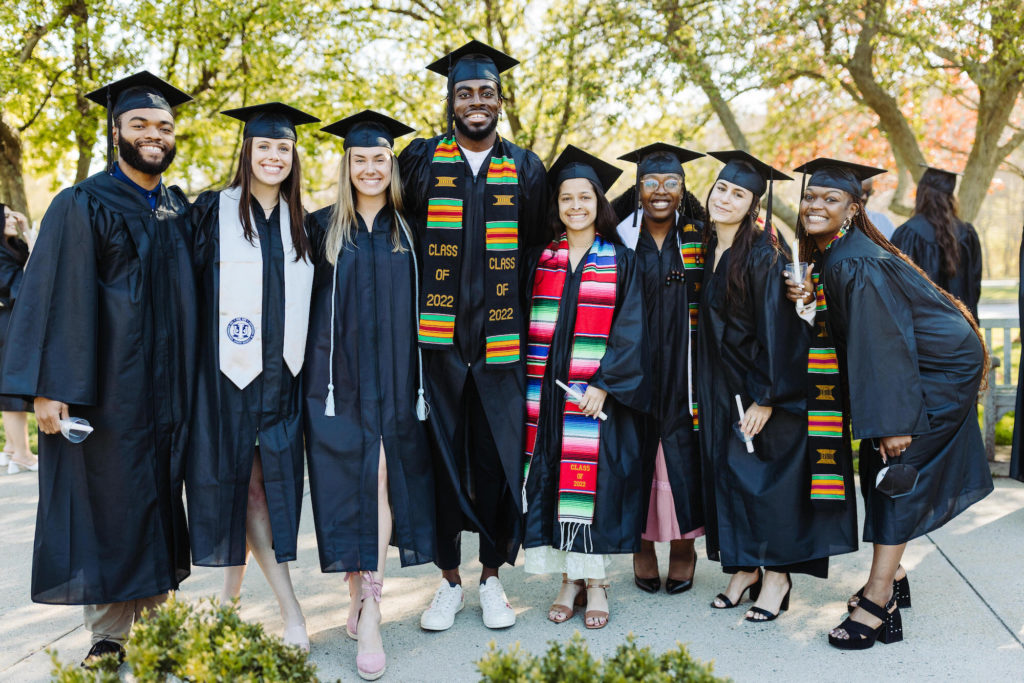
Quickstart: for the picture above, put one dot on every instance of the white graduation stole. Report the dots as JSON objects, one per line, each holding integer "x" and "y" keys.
{"x": 240, "y": 317}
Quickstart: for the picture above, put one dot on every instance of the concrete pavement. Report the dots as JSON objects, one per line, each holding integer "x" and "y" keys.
{"x": 967, "y": 623}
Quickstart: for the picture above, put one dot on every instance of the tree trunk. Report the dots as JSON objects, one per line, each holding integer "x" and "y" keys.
{"x": 12, "y": 180}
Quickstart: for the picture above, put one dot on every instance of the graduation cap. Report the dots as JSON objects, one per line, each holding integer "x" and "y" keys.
{"x": 659, "y": 157}
{"x": 141, "y": 90}
{"x": 839, "y": 175}
{"x": 939, "y": 178}
{"x": 573, "y": 162}
{"x": 368, "y": 128}
{"x": 271, "y": 120}
{"x": 750, "y": 173}
{"x": 472, "y": 61}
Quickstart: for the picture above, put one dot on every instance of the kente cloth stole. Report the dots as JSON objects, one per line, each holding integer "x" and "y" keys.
{"x": 442, "y": 259}
{"x": 581, "y": 435}
{"x": 827, "y": 444}
{"x": 691, "y": 250}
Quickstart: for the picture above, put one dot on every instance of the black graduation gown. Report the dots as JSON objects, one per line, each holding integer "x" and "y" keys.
{"x": 1016, "y": 454}
{"x": 12, "y": 269}
{"x": 668, "y": 326}
{"x": 501, "y": 387}
{"x": 916, "y": 239}
{"x": 227, "y": 420}
{"x": 110, "y": 330}
{"x": 624, "y": 373}
{"x": 375, "y": 391}
{"x": 913, "y": 366}
{"x": 758, "y": 506}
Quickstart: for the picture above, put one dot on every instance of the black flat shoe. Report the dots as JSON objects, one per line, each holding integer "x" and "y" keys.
{"x": 100, "y": 650}
{"x": 783, "y": 606}
{"x": 674, "y": 587}
{"x": 900, "y": 591}
{"x": 754, "y": 588}
{"x": 862, "y": 636}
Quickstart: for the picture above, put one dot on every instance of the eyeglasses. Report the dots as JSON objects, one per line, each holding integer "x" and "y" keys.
{"x": 670, "y": 184}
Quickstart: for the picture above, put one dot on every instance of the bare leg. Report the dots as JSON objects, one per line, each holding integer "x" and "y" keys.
{"x": 739, "y": 582}
{"x": 260, "y": 541}
{"x": 488, "y": 572}
{"x": 369, "y": 621}
{"x": 233, "y": 577}
{"x": 682, "y": 560}
{"x": 878, "y": 589}
{"x": 773, "y": 591}
{"x": 645, "y": 562}
{"x": 16, "y": 431}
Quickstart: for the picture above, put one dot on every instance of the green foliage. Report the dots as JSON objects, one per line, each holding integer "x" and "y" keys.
{"x": 573, "y": 663}
{"x": 33, "y": 434}
{"x": 104, "y": 672}
{"x": 210, "y": 642}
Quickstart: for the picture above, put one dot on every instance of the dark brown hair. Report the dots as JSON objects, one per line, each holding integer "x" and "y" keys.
{"x": 605, "y": 223}
{"x": 862, "y": 223}
{"x": 746, "y": 234}
{"x": 291, "y": 190}
{"x": 940, "y": 209}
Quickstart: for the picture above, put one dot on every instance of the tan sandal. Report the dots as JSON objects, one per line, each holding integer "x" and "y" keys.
{"x": 560, "y": 613}
{"x": 597, "y": 614}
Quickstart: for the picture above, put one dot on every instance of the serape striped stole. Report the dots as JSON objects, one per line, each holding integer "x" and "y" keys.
{"x": 577, "y": 477}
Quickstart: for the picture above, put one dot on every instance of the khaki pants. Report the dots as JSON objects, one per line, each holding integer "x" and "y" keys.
{"x": 114, "y": 620}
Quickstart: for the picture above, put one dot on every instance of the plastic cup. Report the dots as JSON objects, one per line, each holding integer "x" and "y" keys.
{"x": 797, "y": 272}
{"x": 75, "y": 429}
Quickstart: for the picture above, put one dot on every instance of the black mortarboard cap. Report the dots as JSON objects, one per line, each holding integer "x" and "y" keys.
{"x": 141, "y": 90}
{"x": 368, "y": 128}
{"x": 659, "y": 157}
{"x": 840, "y": 175}
{"x": 573, "y": 162}
{"x": 271, "y": 120}
{"x": 744, "y": 169}
{"x": 472, "y": 61}
{"x": 939, "y": 178}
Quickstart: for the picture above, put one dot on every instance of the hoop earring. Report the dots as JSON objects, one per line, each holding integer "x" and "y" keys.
{"x": 846, "y": 223}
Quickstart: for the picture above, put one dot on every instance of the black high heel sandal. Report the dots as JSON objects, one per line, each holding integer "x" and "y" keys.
{"x": 900, "y": 591}
{"x": 783, "y": 606}
{"x": 862, "y": 636}
{"x": 754, "y": 588}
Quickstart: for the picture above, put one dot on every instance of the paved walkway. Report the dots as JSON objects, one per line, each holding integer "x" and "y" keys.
{"x": 967, "y": 623}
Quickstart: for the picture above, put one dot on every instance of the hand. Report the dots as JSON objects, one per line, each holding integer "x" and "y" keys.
{"x": 893, "y": 446}
{"x": 754, "y": 419}
{"x": 593, "y": 401}
{"x": 49, "y": 413}
{"x": 801, "y": 291}
{"x": 14, "y": 222}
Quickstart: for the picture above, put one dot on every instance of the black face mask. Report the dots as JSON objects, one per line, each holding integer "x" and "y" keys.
{"x": 896, "y": 480}
{"x": 131, "y": 156}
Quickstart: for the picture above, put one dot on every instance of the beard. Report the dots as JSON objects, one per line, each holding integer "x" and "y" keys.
{"x": 479, "y": 133}
{"x": 131, "y": 156}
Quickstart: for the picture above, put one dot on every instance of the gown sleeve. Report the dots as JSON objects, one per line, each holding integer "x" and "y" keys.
{"x": 11, "y": 273}
{"x": 414, "y": 165}
{"x": 625, "y": 368}
{"x": 778, "y": 375}
{"x": 886, "y": 391}
{"x": 973, "y": 268}
{"x": 533, "y": 202}
{"x": 56, "y": 315}
{"x": 204, "y": 214}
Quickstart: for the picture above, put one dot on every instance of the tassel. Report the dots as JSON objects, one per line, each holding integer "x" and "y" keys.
{"x": 422, "y": 409}
{"x": 329, "y": 403}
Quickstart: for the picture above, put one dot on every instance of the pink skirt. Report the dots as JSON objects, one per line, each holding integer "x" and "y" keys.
{"x": 662, "y": 525}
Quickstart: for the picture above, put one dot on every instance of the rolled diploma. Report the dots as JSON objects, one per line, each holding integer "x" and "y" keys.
{"x": 739, "y": 407}
{"x": 572, "y": 391}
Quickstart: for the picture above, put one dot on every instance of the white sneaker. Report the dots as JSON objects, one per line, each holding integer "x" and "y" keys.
{"x": 448, "y": 601}
{"x": 497, "y": 612}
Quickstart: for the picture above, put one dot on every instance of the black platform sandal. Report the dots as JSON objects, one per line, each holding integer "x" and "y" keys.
{"x": 861, "y": 636}
{"x": 754, "y": 588}
{"x": 900, "y": 591}
{"x": 768, "y": 616}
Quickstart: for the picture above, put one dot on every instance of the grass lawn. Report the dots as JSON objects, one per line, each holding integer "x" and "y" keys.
{"x": 1005, "y": 293}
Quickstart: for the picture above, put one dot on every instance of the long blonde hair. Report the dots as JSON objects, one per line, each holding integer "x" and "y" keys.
{"x": 343, "y": 215}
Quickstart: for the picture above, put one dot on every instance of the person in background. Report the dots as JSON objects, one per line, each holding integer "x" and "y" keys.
{"x": 880, "y": 220}
{"x": 946, "y": 248}
{"x": 16, "y": 455}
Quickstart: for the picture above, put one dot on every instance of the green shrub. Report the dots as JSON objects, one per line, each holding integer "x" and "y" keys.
{"x": 206, "y": 643}
{"x": 573, "y": 663}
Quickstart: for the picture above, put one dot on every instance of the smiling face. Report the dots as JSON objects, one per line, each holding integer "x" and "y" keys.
{"x": 145, "y": 139}
{"x": 476, "y": 106}
{"x": 823, "y": 210}
{"x": 660, "y": 194}
{"x": 729, "y": 203}
{"x": 577, "y": 204}
{"x": 271, "y": 160}
{"x": 370, "y": 170}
